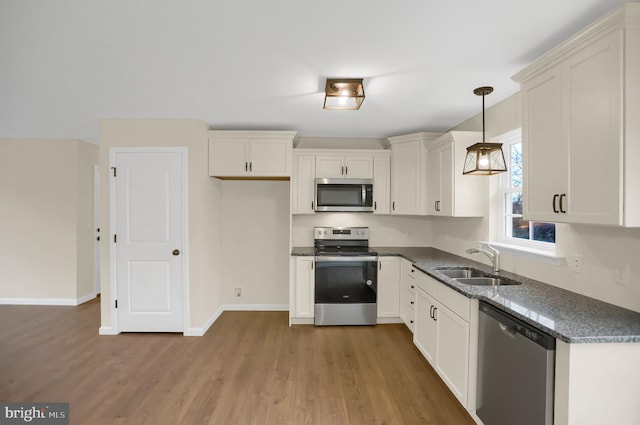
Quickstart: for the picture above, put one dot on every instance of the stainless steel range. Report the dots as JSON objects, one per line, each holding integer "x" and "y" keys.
{"x": 346, "y": 277}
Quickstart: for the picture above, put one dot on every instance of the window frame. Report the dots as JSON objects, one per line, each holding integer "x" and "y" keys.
{"x": 505, "y": 188}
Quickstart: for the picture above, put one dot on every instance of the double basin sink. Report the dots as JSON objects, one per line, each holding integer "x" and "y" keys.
{"x": 475, "y": 277}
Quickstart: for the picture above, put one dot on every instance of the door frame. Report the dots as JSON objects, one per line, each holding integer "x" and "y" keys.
{"x": 96, "y": 233}
{"x": 184, "y": 151}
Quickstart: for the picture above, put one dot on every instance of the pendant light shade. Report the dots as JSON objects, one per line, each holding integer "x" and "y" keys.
{"x": 343, "y": 93}
{"x": 484, "y": 159}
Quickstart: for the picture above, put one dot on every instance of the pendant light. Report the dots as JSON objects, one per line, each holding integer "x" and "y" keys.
{"x": 484, "y": 159}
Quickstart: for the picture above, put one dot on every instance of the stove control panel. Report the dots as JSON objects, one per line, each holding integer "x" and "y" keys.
{"x": 341, "y": 233}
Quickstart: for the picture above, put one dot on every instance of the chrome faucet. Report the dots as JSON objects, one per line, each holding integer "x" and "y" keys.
{"x": 491, "y": 252}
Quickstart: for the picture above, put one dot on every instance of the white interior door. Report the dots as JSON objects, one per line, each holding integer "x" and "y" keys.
{"x": 149, "y": 231}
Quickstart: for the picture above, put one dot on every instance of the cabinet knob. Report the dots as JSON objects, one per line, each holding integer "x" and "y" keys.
{"x": 410, "y": 321}
{"x": 176, "y": 252}
{"x": 412, "y": 303}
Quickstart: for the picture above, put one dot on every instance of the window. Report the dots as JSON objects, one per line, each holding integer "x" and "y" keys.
{"x": 516, "y": 230}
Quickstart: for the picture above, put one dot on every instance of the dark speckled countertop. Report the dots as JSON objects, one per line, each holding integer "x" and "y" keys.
{"x": 568, "y": 316}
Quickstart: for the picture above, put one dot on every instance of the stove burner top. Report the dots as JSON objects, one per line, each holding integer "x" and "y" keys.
{"x": 342, "y": 241}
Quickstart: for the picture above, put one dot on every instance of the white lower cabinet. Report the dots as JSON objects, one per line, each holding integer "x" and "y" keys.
{"x": 304, "y": 288}
{"x": 442, "y": 334}
{"x": 388, "y": 287}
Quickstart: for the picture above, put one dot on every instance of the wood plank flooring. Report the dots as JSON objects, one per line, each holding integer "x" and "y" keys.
{"x": 250, "y": 368}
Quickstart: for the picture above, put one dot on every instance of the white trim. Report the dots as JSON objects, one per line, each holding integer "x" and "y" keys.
{"x": 86, "y": 298}
{"x": 96, "y": 226}
{"x": 255, "y": 307}
{"x": 527, "y": 252}
{"x": 302, "y": 321}
{"x": 107, "y": 330}
{"x": 388, "y": 320}
{"x": 204, "y": 328}
{"x": 47, "y": 301}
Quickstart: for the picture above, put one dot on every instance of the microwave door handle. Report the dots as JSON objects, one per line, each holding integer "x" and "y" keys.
{"x": 364, "y": 195}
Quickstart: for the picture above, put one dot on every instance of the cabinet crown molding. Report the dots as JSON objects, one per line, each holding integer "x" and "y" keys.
{"x": 626, "y": 16}
{"x": 258, "y": 134}
{"x": 424, "y": 136}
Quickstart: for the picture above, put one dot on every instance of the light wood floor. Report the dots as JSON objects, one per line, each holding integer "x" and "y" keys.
{"x": 250, "y": 368}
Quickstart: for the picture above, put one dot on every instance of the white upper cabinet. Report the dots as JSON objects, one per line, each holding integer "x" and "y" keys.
{"x": 303, "y": 184}
{"x": 352, "y": 166}
{"x": 408, "y": 174}
{"x": 250, "y": 154}
{"x": 581, "y": 135}
{"x": 381, "y": 183}
{"x": 449, "y": 192}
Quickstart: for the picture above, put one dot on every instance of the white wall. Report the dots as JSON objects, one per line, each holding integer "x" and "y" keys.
{"x": 46, "y": 227}
{"x": 255, "y": 241}
{"x": 604, "y": 249}
{"x": 205, "y": 211}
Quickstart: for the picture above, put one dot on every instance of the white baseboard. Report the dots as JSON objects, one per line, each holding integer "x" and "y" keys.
{"x": 86, "y": 298}
{"x": 388, "y": 320}
{"x": 39, "y": 301}
{"x": 203, "y": 329}
{"x": 48, "y": 301}
{"x": 107, "y": 330}
{"x": 256, "y": 307}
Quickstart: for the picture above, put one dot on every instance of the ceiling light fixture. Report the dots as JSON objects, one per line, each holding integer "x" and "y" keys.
{"x": 484, "y": 159}
{"x": 343, "y": 93}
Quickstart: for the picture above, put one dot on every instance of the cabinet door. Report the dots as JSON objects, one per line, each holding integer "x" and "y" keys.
{"x": 270, "y": 158}
{"x": 228, "y": 157}
{"x": 381, "y": 184}
{"x": 452, "y": 351}
{"x": 358, "y": 166}
{"x": 545, "y": 155}
{"x": 425, "y": 330}
{"x": 434, "y": 173}
{"x": 388, "y": 287}
{"x": 329, "y": 166}
{"x": 405, "y": 178}
{"x": 304, "y": 184}
{"x": 446, "y": 206}
{"x": 593, "y": 87}
{"x": 305, "y": 287}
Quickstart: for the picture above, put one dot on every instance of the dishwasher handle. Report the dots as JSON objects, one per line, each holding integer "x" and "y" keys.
{"x": 508, "y": 330}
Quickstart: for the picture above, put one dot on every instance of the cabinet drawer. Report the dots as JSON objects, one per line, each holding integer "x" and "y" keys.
{"x": 455, "y": 301}
{"x": 426, "y": 283}
{"x": 411, "y": 299}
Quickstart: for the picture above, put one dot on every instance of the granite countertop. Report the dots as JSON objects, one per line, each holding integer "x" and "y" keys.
{"x": 566, "y": 315}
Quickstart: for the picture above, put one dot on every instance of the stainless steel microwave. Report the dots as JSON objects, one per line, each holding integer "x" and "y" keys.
{"x": 349, "y": 195}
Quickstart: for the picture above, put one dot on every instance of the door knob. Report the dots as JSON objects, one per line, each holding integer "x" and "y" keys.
{"x": 176, "y": 252}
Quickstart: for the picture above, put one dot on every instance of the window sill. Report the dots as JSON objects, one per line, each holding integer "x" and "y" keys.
{"x": 530, "y": 253}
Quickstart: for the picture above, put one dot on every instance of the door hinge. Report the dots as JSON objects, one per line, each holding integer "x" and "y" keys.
{"x": 115, "y": 238}
{"x": 115, "y": 173}
{"x": 116, "y": 303}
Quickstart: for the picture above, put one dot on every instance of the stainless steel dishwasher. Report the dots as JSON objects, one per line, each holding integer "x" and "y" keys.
{"x": 516, "y": 365}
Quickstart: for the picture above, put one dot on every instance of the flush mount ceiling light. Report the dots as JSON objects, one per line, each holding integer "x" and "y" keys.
{"x": 484, "y": 159}
{"x": 343, "y": 93}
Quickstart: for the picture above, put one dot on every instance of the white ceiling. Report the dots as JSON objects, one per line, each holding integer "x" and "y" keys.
{"x": 262, "y": 64}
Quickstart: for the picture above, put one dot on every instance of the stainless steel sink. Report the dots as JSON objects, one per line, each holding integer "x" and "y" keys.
{"x": 475, "y": 277}
{"x": 461, "y": 273}
{"x": 486, "y": 281}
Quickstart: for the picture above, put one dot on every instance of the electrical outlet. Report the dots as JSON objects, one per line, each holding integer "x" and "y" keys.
{"x": 575, "y": 263}
{"x": 622, "y": 274}
{"x": 237, "y": 292}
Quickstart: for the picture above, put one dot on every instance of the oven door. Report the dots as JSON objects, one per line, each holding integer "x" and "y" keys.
{"x": 345, "y": 290}
{"x": 355, "y": 195}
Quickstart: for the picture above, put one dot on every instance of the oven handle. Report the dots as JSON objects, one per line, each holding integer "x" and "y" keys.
{"x": 346, "y": 258}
